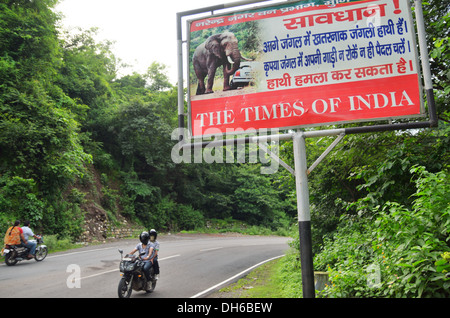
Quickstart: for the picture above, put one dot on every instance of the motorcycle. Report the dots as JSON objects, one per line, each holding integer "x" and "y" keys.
{"x": 17, "y": 253}
{"x": 133, "y": 277}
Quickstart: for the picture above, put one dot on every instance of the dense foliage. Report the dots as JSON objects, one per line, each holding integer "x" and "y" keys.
{"x": 397, "y": 251}
{"x": 74, "y": 133}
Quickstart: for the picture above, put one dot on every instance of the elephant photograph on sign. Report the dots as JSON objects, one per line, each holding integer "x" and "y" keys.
{"x": 218, "y": 50}
{"x": 221, "y": 50}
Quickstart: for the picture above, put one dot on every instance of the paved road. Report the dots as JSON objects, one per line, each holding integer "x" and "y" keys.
{"x": 190, "y": 265}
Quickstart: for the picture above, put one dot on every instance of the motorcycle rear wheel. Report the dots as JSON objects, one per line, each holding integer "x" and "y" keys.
{"x": 153, "y": 285}
{"x": 153, "y": 281}
{"x": 41, "y": 253}
{"x": 9, "y": 261}
{"x": 124, "y": 290}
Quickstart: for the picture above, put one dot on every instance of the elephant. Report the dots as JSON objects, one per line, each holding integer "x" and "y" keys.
{"x": 218, "y": 49}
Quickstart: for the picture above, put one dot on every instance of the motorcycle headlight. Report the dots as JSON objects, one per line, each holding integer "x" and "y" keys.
{"x": 126, "y": 266}
{"x": 130, "y": 267}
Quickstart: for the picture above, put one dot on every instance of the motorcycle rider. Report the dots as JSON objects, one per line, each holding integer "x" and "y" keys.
{"x": 14, "y": 235}
{"x": 27, "y": 232}
{"x": 148, "y": 250}
{"x": 153, "y": 236}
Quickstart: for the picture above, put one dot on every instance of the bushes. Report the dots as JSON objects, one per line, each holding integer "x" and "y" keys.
{"x": 400, "y": 252}
{"x": 169, "y": 215}
{"x": 55, "y": 243}
{"x": 19, "y": 200}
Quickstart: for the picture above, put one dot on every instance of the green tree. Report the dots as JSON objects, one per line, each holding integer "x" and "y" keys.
{"x": 40, "y": 148}
{"x": 257, "y": 201}
{"x": 39, "y": 132}
{"x": 86, "y": 74}
{"x": 157, "y": 77}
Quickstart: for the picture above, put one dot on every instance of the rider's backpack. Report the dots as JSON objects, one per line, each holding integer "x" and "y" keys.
{"x": 12, "y": 236}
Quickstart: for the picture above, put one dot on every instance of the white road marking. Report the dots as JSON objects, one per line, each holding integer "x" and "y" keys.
{"x": 211, "y": 249}
{"x": 80, "y": 252}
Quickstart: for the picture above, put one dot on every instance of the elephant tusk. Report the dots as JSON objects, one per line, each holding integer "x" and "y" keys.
{"x": 230, "y": 60}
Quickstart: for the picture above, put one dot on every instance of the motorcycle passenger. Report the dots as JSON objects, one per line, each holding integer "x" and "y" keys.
{"x": 148, "y": 250}
{"x": 27, "y": 232}
{"x": 153, "y": 236}
{"x": 14, "y": 235}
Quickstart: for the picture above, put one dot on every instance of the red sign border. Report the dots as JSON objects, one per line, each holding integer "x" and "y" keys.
{"x": 240, "y": 130}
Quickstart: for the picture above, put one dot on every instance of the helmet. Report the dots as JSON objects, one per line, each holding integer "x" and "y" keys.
{"x": 153, "y": 233}
{"x": 144, "y": 237}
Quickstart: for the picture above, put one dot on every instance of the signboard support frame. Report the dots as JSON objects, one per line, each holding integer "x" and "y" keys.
{"x": 301, "y": 171}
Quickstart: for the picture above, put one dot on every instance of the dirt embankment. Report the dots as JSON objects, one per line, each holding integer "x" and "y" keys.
{"x": 97, "y": 225}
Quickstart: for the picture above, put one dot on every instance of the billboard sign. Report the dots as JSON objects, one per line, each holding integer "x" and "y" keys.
{"x": 303, "y": 63}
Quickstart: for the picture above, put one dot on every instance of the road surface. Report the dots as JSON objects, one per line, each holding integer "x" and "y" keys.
{"x": 191, "y": 266}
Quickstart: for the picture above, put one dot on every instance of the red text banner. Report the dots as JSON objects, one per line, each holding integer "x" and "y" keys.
{"x": 365, "y": 100}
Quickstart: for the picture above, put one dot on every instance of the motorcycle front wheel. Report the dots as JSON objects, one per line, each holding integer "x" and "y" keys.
{"x": 41, "y": 253}
{"x": 124, "y": 290}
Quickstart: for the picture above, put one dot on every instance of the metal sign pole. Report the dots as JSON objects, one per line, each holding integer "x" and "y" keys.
{"x": 304, "y": 216}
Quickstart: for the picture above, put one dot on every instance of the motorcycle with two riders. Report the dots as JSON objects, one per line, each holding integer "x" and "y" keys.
{"x": 133, "y": 273}
{"x": 16, "y": 253}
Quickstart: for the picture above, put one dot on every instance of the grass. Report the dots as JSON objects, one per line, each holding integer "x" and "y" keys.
{"x": 266, "y": 281}
{"x": 58, "y": 245}
{"x": 260, "y": 283}
{"x": 280, "y": 278}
